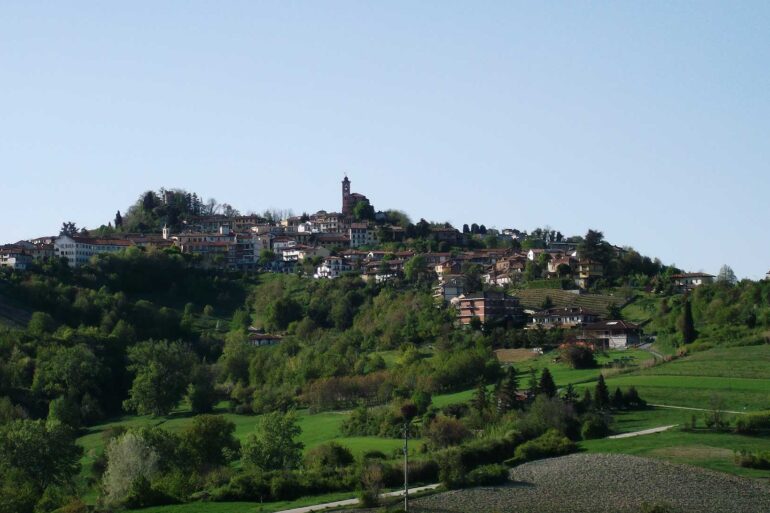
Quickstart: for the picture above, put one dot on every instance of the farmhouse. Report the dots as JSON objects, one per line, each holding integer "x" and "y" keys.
{"x": 688, "y": 281}
{"x": 613, "y": 334}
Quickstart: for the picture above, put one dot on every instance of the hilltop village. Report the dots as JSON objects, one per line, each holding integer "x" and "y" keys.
{"x": 184, "y": 352}
{"x": 490, "y": 276}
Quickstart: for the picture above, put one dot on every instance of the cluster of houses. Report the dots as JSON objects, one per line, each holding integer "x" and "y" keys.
{"x": 337, "y": 244}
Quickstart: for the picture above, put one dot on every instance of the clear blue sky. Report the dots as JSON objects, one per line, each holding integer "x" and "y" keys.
{"x": 647, "y": 120}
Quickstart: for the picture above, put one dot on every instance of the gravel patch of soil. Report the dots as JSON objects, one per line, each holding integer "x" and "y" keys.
{"x": 606, "y": 483}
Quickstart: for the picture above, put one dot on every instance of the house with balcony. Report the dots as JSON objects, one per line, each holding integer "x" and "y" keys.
{"x": 566, "y": 317}
{"x": 449, "y": 288}
{"x": 332, "y": 267}
{"x": 588, "y": 271}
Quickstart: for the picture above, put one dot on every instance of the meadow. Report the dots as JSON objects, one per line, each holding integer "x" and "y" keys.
{"x": 740, "y": 376}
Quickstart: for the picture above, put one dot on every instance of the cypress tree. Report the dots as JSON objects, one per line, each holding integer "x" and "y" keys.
{"x": 601, "y": 394}
{"x": 480, "y": 399}
{"x": 617, "y": 399}
{"x": 506, "y": 399}
{"x": 546, "y": 385}
{"x": 686, "y": 323}
{"x": 570, "y": 395}
{"x": 586, "y": 401}
{"x": 532, "y": 385}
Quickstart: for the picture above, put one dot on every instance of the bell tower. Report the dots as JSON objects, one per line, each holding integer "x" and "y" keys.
{"x": 346, "y": 207}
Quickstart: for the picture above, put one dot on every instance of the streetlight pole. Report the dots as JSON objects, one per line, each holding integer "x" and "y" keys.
{"x": 408, "y": 412}
{"x": 406, "y": 465}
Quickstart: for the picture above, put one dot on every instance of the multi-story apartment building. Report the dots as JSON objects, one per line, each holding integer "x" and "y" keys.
{"x": 361, "y": 234}
{"x": 14, "y": 257}
{"x": 488, "y": 307}
{"x": 79, "y": 250}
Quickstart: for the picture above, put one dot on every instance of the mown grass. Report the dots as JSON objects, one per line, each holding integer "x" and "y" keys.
{"x": 709, "y": 450}
{"x": 246, "y": 507}
{"x": 642, "y": 309}
{"x": 562, "y": 373}
{"x": 316, "y": 430}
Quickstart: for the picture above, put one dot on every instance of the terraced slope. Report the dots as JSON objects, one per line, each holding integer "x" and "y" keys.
{"x": 534, "y": 298}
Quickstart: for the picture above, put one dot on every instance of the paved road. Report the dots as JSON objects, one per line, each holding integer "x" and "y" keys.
{"x": 643, "y": 432}
{"x": 352, "y": 502}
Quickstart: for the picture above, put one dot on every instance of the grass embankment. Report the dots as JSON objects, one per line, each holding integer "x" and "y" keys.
{"x": 562, "y": 374}
{"x": 739, "y": 375}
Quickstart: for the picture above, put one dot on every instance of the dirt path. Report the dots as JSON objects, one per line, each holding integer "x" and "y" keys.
{"x": 695, "y": 409}
{"x": 353, "y": 502}
{"x": 643, "y": 432}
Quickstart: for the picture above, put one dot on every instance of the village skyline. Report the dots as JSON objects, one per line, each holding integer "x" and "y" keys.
{"x": 648, "y": 122}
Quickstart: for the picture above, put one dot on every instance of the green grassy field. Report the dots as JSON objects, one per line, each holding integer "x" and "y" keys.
{"x": 246, "y": 507}
{"x": 316, "y": 429}
{"x": 562, "y": 374}
{"x": 739, "y": 375}
{"x": 709, "y": 450}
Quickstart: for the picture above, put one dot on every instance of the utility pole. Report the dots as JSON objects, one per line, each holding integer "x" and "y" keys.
{"x": 408, "y": 412}
{"x": 406, "y": 465}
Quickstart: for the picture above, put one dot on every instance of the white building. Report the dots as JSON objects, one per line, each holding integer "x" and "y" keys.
{"x": 14, "y": 257}
{"x": 300, "y": 253}
{"x": 688, "y": 281}
{"x": 79, "y": 250}
{"x": 332, "y": 267}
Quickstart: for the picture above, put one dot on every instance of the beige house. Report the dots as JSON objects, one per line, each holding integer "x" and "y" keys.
{"x": 688, "y": 281}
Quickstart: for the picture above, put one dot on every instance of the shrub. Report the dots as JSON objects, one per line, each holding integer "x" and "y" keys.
{"x": 552, "y": 443}
{"x": 443, "y": 432}
{"x": 452, "y": 471}
{"x": 759, "y": 460}
{"x": 487, "y": 475}
{"x": 549, "y": 413}
{"x": 752, "y": 423}
{"x": 594, "y": 426}
{"x": 285, "y": 487}
{"x": 244, "y": 486}
{"x": 328, "y": 455}
{"x": 374, "y": 455}
{"x": 578, "y": 356}
{"x": 372, "y": 478}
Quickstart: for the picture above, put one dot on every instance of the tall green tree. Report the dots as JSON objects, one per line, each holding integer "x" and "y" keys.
{"x": 601, "y": 394}
{"x": 594, "y": 247}
{"x": 43, "y": 454}
{"x": 162, "y": 373}
{"x": 532, "y": 384}
{"x": 507, "y": 398}
{"x": 274, "y": 446}
{"x": 687, "y": 324}
{"x": 480, "y": 400}
{"x": 211, "y": 440}
{"x": 546, "y": 385}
